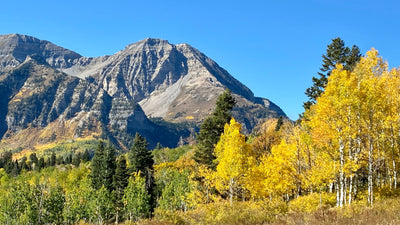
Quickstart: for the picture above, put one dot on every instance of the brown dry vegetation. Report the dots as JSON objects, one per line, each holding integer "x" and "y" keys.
{"x": 385, "y": 211}
{"x": 38, "y": 140}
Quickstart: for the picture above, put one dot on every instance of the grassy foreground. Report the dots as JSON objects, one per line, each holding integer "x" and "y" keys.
{"x": 386, "y": 211}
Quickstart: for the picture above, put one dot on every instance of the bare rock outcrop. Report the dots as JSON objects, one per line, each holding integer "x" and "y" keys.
{"x": 48, "y": 91}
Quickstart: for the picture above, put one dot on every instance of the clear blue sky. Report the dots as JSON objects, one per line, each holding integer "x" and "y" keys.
{"x": 273, "y": 47}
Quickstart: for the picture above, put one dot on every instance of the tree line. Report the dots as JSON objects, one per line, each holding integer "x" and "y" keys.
{"x": 15, "y": 167}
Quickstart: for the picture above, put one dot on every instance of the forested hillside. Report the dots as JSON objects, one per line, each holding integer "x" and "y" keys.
{"x": 338, "y": 164}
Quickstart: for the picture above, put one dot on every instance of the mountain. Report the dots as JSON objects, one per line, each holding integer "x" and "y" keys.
{"x": 14, "y": 49}
{"x": 175, "y": 82}
{"x": 42, "y": 105}
{"x": 53, "y": 94}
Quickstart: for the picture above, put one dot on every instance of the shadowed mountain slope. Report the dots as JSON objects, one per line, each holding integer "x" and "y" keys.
{"x": 50, "y": 93}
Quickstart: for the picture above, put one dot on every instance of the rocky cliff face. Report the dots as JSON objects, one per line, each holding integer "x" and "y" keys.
{"x": 51, "y": 92}
{"x": 49, "y": 103}
{"x": 175, "y": 82}
{"x": 14, "y": 49}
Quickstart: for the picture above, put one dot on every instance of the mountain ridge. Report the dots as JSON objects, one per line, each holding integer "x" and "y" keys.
{"x": 56, "y": 106}
{"x": 156, "y": 73}
{"x": 150, "y": 78}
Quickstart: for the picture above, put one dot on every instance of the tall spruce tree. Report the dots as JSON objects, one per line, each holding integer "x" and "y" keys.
{"x": 53, "y": 159}
{"x": 16, "y": 169}
{"x": 41, "y": 164}
{"x": 76, "y": 159}
{"x": 6, "y": 162}
{"x": 109, "y": 167}
{"x": 141, "y": 160}
{"x": 103, "y": 167}
{"x": 121, "y": 179}
{"x": 34, "y": 161}
{"x": 23, "y": 164}
{"x": 279, "y": 123}
{"x": 212, "y": 128}
{"x": 5, "y": 158}
{"x": 97, "y": 166}
{"x": 336, "y": 52}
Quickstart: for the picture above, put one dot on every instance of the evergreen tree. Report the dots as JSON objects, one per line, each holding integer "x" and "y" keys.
{"x": 86, "y": 156}
{"x": 109, "y": 162}
{"x": 53, "y": 159}
{"x": 5, "y": 159}
{"x": 140, "y": 158}
{"x": 120, "y": 183}
{"x": 336, "y": 53}
{"x": 121, "y": 176}
{"x": 34, "y": 161}
{"x": 40, "y": 164}
{"x": 16, "y": 169}
{"x": 7, "y": 162}
{"x": 23, "y": 164}
{"x": 103, "y": 167}
{"x": 59, "y": 160}
{"x": 97, "y": 166}
{"x": 279, "y": 123}
{"x": 212, "y": 128}
{"x": 76, "y": 159}
{"x": 224, "y": 105}
{"x": 141, "y": 161}
{"x": 68, "y": 159}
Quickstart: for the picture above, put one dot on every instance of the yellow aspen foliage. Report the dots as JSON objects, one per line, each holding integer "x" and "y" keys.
{"x": 205, "y": 179}
{"x": 333, "y": 125}
{"x": 234, "y": 158}
{"x": 269, "y": 134}
{"x": 392, "y": 122}
{"x": 354, "y": 122}
{"x": 276, "y": 174}
{"x": 322, "y": 173}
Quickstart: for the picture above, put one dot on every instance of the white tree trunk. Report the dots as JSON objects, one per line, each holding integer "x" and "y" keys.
{"x": 350, "y": 188}
{"x": 394, "y": 174}
{"x": 337, "y": 194}
{"x": 370, "y": 171}
{"x": 341, "y": 173}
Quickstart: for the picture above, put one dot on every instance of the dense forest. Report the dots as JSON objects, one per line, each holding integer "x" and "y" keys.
{"x": 340, "y": 158}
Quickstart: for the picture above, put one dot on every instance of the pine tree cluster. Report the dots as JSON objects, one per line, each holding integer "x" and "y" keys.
{"x": 15, "y": 167}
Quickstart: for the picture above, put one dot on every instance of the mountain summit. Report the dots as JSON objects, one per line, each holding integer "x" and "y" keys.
{"x": 14, "y": 48}
{"x": 47, "y": 87}
{"x": 175, "y": 82}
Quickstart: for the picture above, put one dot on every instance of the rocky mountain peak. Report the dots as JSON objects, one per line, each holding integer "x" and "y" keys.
{"x": 152, "y": 42}
{"x": 14, "y": 48}
{"x": 115, "y": 94}
{"x": 147, "y": 45}
{"x": 175, "y": 82}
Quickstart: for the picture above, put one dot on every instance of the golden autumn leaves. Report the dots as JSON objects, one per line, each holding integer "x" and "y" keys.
{"x": 356, "y": 121}
{"x": 347, "y": 144}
